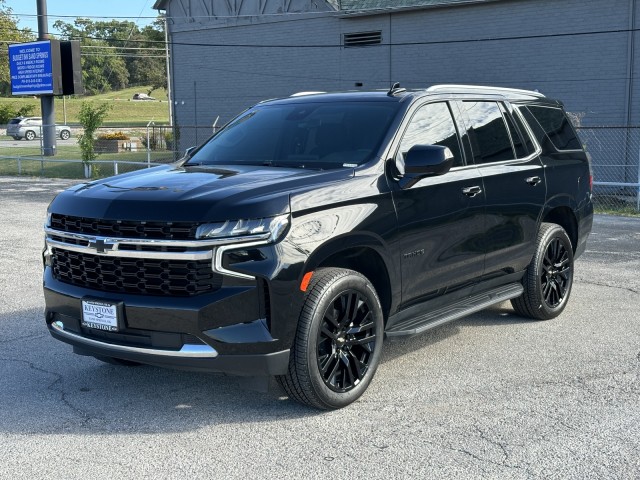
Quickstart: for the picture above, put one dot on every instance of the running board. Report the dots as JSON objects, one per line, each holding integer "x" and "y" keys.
{"x": 463, "y": 307}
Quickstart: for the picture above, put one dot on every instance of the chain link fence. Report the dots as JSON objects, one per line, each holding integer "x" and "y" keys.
{"x": 119, "y": 149}
{"x": 615, "y": 153}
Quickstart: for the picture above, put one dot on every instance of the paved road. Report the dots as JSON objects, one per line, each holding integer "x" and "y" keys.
{"x": 7, "y": 145}
{"x": 491, "y": 396}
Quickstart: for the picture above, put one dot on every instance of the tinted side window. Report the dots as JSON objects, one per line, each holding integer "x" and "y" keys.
{"x": 432, "y": 125}
{"x": 518, "y": 145}
{"x": 537, "y": 130}
{"x": 490, "y": 139}
{"x": 557, "y": 127}
{"x": 527, "y": 138}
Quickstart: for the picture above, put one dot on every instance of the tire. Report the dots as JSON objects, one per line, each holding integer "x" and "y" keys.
{"x": 30, "y": 135}
{"x": 549, "y": 277}
{"x": 330, "y": 366}
{"x": 117, "y": 361}
{"x": 15, "y": 137}
{"x": 65, "y": 134}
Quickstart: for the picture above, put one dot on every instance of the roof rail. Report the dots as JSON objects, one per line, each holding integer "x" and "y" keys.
{"x": 484, "y": 89}
{"x": 302, "y": 94}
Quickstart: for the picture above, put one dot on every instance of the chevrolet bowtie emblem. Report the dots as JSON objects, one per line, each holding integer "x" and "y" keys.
{"x": 98, "y": 245}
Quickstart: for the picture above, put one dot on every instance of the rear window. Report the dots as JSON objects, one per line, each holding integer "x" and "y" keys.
{"x": 518, "y": 144}
{"x": 489, "y": 136}
{"x": 557, "y": 127}
{"x": 13, "y": 121}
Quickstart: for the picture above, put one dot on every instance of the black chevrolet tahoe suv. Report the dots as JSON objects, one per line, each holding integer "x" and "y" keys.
{"x": 311, "y": 228}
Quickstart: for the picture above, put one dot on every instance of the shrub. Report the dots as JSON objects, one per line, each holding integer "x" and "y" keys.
{"x": 114, "y": 136}
{"x": 90, "y": 118}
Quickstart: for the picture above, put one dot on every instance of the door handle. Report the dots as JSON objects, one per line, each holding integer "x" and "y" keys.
{"x": 471, "y": 191}
{"x": 533, "y": 181}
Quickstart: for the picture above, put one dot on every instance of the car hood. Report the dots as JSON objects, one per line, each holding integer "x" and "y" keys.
{"x": 198, "y": 194}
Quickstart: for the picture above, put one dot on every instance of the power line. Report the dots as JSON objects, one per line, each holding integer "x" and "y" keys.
{"x": 160, "y": 16}
{"x": 125, "y": 55}
{"x": 155, "y": 49}
{"x": 115, "y": 54}
{"x": 35, "y": 15}
{"x": 128, "y": 38}
{"x": 397, "y": 44}
{"x": 339, "y": 45}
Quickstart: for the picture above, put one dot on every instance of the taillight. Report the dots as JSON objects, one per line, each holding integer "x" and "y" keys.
{"x": 591, "y": 183}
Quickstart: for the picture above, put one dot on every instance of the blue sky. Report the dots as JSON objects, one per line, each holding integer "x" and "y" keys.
{"x": 129, "y": 9}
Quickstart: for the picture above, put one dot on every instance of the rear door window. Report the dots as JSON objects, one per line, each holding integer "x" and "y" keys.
{"x": 516, "y": 138}
{"x": 557, "y": 127}
{"x": 516, "y": 115}
{"x": 490, "y": 139}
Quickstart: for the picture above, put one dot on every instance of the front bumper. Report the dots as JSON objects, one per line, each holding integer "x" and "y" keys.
{"x": 220, "y": 332}
{"x": 188, "y": 357}
{"x": 243, "y": 323}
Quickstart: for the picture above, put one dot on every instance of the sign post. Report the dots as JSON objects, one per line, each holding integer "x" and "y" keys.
{"x": 46, "y": 101}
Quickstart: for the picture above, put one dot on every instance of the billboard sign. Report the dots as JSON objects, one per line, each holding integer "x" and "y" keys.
{"x": 35, "y": 68}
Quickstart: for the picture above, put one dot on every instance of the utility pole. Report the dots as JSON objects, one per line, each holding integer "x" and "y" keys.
{"x": 48, "y": 132}
{"x": 166, "y": 50}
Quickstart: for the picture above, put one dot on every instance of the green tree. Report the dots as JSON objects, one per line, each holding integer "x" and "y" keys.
{"x": 9, "y": 111}
{"x": 11, "y": 33}
{"x": 91, "y": 118}
{"x": 109, "y": 60}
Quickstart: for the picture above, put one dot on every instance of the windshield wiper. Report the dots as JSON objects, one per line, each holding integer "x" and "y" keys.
{"x": 271, "y": 163}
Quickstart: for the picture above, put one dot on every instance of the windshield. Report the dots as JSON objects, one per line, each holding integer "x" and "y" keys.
{"x": 310, "y": 135}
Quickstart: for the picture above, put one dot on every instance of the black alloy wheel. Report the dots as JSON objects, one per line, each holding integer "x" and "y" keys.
{"x": 346, "y": 341}
{"x": 549, "y": 277}
{"x": 556, "y": 273}
{"x": 338, "y": 342}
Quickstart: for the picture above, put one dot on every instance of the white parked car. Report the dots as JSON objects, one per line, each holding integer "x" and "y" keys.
{"x": 31, "y": 128}
{"x": 142, "y": 96}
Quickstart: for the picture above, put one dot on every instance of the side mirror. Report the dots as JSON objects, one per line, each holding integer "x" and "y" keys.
{"x": 187, "y": 152}
{"x": 427, "y": 160}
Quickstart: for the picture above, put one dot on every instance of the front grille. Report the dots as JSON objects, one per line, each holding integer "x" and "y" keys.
{"x": 135, "y": 275}
{"x": 125, "y": 228}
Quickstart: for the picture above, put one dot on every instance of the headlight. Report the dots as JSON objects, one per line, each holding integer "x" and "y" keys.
{"x": 270, "y": 228}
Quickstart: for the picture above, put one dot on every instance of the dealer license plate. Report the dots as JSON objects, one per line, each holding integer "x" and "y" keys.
{"x": 100, "y": 315}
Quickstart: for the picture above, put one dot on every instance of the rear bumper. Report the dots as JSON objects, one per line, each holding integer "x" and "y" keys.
{"x": 585, "y": 224}
{"x": 198, "y": 357}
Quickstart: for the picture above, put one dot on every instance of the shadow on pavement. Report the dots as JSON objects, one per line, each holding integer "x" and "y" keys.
{"x": 45, "y": 388}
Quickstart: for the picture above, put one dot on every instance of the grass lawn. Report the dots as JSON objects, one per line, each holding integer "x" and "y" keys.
{"x": 31, "y": 165}
{"x": 36, "y": 168}
{"x": 125, "y": 112}
{"x": 625, "y": 211}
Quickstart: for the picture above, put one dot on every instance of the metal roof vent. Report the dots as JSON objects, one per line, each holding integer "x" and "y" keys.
{"x": 362, "y": 39}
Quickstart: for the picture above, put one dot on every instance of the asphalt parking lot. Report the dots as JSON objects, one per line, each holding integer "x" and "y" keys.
{"x": 490, "y": 396}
